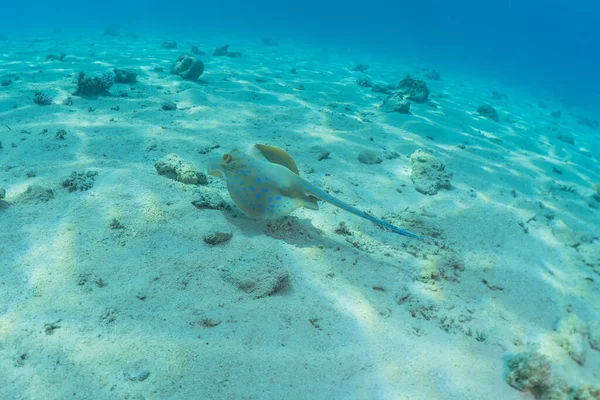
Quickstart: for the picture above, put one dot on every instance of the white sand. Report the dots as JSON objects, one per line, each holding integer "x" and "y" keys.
{"x": 330, "y": 334}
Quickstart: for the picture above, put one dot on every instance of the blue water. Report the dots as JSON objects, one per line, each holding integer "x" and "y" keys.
{"x": 549, "y": 46}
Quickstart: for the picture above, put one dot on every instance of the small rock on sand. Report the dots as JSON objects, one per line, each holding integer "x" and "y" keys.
{"x": 488, "y": 112}
{"x": 395, "y": 103}
{"x": 369, "y": 157}
{"x": 413, "y": 89}
{"x": 174, "y": 167}
{"x": 429, "y": 173}
{"x": 125, "y": 76}
{"x": 215, "y": 238}
{"x": 207, "y": 198}
{"x": 168, "y": 105}
{"x": 187, "y": 67}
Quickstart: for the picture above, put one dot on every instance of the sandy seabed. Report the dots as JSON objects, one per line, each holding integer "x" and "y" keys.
{"x": 109, "y": 289}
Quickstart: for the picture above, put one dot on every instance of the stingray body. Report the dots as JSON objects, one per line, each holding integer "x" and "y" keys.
{"x": 264, "y": 183}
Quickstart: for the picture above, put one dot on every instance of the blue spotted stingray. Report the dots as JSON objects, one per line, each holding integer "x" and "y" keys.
{"x": 264, "y": 183}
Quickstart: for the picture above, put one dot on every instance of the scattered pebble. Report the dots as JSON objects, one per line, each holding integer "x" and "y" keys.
{"x": 208, "y": 149}
{"x": 116, "y": 224}
{"x": 217, "y": 238}
{"x": 60, "y": 135}
{"x": 342, "y": 229}
{"x": 108, "y": 316}
{"x": 324, "y": 155}
{"x": 51, "y": 327}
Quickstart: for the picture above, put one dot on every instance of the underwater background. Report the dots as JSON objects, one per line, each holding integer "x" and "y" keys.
{"x": 300, "y": 200}
{"x": 549, "y": 46}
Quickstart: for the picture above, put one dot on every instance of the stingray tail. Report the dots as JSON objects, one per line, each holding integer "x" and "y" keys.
{"x": 313, "y": 190}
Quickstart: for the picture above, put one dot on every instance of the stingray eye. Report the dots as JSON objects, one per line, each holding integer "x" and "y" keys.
{"x": 227, "y": 158}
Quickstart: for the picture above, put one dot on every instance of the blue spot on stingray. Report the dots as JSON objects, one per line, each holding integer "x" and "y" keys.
{"x": 266, "y": 178}
{"x": 265, "y": 190}
{"x": 258, "y": 179}
{"x": 244, "y": 189}
{"x": 278, "y": 197}
{"x": 258, "y": 196}
{"x": 270, "y": 199}
{"x": 252, "y": 188}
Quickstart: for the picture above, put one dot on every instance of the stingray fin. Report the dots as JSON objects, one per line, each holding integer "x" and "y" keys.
{"x": 275, "y": 155}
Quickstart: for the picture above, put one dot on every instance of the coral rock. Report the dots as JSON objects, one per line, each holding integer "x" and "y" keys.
{"x": 125, "y": 76}
{"x": 174, "y": 167}
{"x": 413, "y": 89}
{"x": 429, "y": 173}
{"x": 96, "y": 86}
{"x": 529, "y": 371}
{"x": 188, "y": 67}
